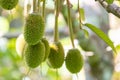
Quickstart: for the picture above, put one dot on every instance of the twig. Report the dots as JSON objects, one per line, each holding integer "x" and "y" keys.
{"x": 70, "y": 24}
{"x": 110, "y": 8}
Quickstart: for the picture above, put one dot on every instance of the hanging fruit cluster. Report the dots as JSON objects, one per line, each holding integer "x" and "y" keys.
{"x": 36, "y": 48}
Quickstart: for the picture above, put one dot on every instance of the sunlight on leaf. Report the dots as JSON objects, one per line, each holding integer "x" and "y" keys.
{"x": 117, "y": 50}
{"x": 102, "y": 35}
{"x": 109, "y": 1}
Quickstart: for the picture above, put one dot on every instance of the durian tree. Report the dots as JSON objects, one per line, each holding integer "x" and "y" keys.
{"x": 37, "y": 49}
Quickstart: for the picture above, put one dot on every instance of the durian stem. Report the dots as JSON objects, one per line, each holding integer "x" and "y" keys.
{"x": 34, "y": 5}
{"x": 79, "y": 15}
{"x": 70, "y": 25}
{"x": 38, "y": 5}
{"x": 56, "y": 33}
{"x": 57, "y": 74}
{"x": 43, "y": 8}
{"x": 41, "y": 69}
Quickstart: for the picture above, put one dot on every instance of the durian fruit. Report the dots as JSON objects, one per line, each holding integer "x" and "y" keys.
{"x": 74, "y": 61}
{"x": 47, "y": 48}
{"x": 56, "y": 56}
{"x": 8, "y": 4}
{"x": 20, "y": 44}
{"x": 34, "y": 54}
{"x": 34, "y": 28}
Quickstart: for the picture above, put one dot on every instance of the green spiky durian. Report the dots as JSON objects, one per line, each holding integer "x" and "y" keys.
{"x": 8, "y": 4}
{"x": 34, "y": 54}
{"x": 56, "y": 56}
{"x": 34, "y": 28}
{"x": 74, "y": 61}
{"x": 47, "y": 48}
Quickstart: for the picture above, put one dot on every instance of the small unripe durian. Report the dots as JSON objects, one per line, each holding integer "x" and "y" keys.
{"x": 74, "y": 61}
{"x": 34, "y": 54}
{"x": 34, "y": 28}
{"x": 56, "y": 56}
{"x": 8, "y": 4}
{"x": 47, "y": 48}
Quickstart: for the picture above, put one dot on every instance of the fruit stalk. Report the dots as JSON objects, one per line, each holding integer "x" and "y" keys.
{"x": 56, "y": 33}
{"x": 79, "y": 15}
{"x": 70, "y": 25}
{"x": 34, "y": 5}
{"x": 43, "y": 8}
{"x": 57, "y": 75}
{"x": 38, "y": 5}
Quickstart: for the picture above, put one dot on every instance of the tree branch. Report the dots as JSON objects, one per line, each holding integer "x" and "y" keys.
{"x": 110, "y": 8}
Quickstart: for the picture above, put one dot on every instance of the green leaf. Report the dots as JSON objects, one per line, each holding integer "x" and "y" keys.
{"x": 86, "y": 33}
{"x": 102, "y": 35}
{"x": 118, "y": 48}
{"x": 82, "y": 14}
{"x": 109, "y": 1}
